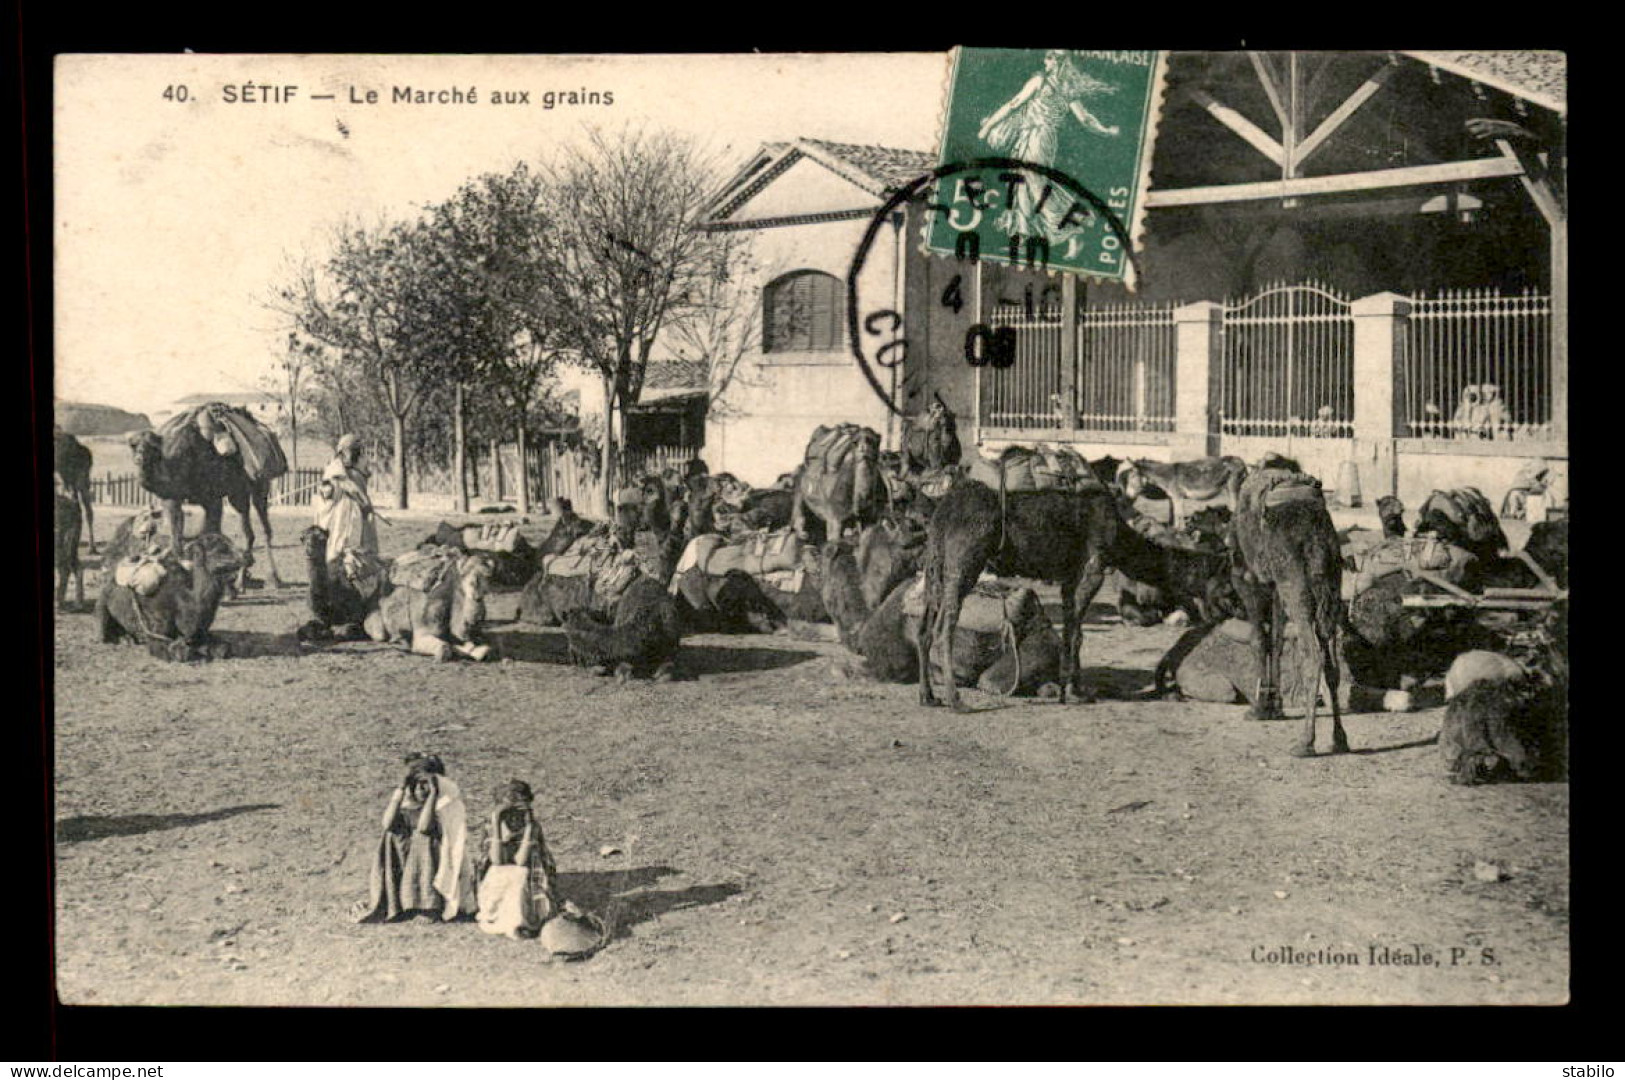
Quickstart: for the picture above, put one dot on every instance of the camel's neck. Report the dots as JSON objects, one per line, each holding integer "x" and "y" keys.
{"x": 1138, "y": 558}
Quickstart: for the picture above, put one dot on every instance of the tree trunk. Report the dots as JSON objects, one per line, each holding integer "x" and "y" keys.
{"x": 524, "y": 470}
{"x": 459, "y": 462}
{"x": 496, "y": 469}
{"x": 398, "y": 423}
{"x": 607, "y": 455}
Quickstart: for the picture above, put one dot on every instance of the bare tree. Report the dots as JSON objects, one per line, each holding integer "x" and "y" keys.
{"x": 628, "y": 261}
{"x": 725, "y": 323}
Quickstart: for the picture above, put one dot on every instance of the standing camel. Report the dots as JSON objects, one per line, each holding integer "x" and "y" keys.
{"x": 73, "y": 462}
{"x": 184, "y": 467}
{"x": 1288, "y": 567}
{"x": 1064, "y": 537}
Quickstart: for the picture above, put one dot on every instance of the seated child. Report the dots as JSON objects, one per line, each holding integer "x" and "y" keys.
{"x": 516, "y": 890}
{"x": 422, "y": 866}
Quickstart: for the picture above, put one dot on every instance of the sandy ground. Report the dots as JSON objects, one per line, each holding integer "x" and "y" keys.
{"x": 779, "y": 833}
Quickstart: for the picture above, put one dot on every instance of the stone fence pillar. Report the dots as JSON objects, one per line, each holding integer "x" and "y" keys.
{"x": 1379, "y": 343}
{"x": 1196, "y": 373}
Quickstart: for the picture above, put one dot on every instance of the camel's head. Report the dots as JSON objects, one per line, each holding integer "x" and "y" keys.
{"x": 314, "y": 541}
{"x": 1130, "y": 480}
{"x": 730, "y": 489}
{"x": 146, "y": 447}
{"x": 212, "y": 554}
{"x": 468, "y": 602}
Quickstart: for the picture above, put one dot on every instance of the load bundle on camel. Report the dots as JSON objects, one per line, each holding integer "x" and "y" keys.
{"x": 1189, "y": 485}
{"x": 168, "y": 601}
{"x": 208, "y": 456}
{"x": 733, "y": 603}
{"x": 1463, "y": 517}
{"x": 514, "y": 559}
{"x": 1041, "y": 467}
{"x": 589, "y": 577}
{"x": 783, "y": 568}
{"x": 640, "y": 636}
{"x": 1506, "y": 717}
{"x": 840, "y": 481}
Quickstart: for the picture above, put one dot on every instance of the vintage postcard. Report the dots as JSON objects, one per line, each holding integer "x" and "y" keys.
{"x": 1052, "y": 526}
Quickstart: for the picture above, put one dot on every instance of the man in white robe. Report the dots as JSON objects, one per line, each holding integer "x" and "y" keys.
{"x": 343, "y": 507}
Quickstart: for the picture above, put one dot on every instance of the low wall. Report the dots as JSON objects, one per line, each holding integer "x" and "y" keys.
{"x": 1424, "y": 467}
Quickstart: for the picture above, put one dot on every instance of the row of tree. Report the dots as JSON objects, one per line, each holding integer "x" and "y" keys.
{"x": 450, "y": 325}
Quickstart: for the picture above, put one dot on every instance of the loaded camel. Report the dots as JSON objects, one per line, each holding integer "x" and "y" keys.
{"x": 840, "y": 481}
{"x": 432, "y": 601}
{"x": 1288, "y": 567}
{"x": 73, "y": 461}
{"x": 184, "y": 467}
{"x": 174, "y": 620}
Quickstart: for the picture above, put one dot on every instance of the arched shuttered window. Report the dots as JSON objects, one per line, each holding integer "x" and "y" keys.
{"x": 801, "y": 312}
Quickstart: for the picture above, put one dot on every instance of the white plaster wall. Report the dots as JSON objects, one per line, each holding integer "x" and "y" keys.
{"x": 776, "y": 400}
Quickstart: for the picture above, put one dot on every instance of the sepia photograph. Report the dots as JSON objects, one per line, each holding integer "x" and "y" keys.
{"x": 1016, "y": 527}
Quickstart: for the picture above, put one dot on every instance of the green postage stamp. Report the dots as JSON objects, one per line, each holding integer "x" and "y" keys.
{"x": 1081, "y": 124}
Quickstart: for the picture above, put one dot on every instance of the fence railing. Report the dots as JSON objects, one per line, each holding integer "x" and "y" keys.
{"x": 1127, "y": 357}
{"x": 1288, "y": 364}
{"x": 1027, "y": 394}
{"x": 1122, "y": 377}
{"x": 293, "y": 488}
{"x": 1477, "y": 365}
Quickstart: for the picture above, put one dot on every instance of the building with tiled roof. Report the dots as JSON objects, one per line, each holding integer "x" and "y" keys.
{"x": 807, "y": 205}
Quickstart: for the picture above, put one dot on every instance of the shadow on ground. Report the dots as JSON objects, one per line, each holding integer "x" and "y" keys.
{"x": 623, "y": 900}
{"x": 74, "y": 829}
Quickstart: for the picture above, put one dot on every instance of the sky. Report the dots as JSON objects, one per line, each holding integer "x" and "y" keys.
{"x": 187, "y": 186}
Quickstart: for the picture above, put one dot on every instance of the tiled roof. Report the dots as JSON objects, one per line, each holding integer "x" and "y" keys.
{"x": 1537, "y": 75}
{"x": 675, "y": 375}
{"x": 886, "y": 166}
{"x": 235, "y": 397}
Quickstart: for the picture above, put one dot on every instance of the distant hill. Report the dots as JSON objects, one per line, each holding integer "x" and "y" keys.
{"x": 90, "y": 420}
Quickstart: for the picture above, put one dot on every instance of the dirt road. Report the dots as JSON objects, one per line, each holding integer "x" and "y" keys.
{"x": 776, "y": 833}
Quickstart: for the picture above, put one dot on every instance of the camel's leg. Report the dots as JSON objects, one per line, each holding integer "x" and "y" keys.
{"x": 1293, "y": 603}
{"x": 1074, "y": 609}
{"x": 261, "y": 500}
{"x": 1317, "y": 619}
{"x": 175, "y": 518}
{"x": 82, "y": 493}
{"x": 214, "y": 513}
{"x": 935, "y": 588}
{"x": 79, "y": 587}
{"x": 948, "y": 620}
{"x": 1257, "y": 598}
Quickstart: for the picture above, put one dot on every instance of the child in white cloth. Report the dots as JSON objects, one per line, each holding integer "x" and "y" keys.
{"x": 516, "y": 889}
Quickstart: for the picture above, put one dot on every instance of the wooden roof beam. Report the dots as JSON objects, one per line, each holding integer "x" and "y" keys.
{"x": 1343, "y": 112}
{"x": 1493, "y": 168}
{"x": 1242, "y": 126}
{"x": 1273, "y": 92}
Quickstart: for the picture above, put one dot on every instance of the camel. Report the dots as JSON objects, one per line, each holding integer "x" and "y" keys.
{"x": 1506, "y": 717}
{"x": 174, "y": 620}
{"x": 1288, "y": 567}
{"x": 432, "y": 601}
{"x": 567, "y": 529}
{"x": 1058, "y": 536}
{"x": 641, "y": 637}
{"x": 840, "y": 481}
{"x": 185, "y": 467}
{"x": 67, "y": 551}
{"x": 73, "y": 461}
